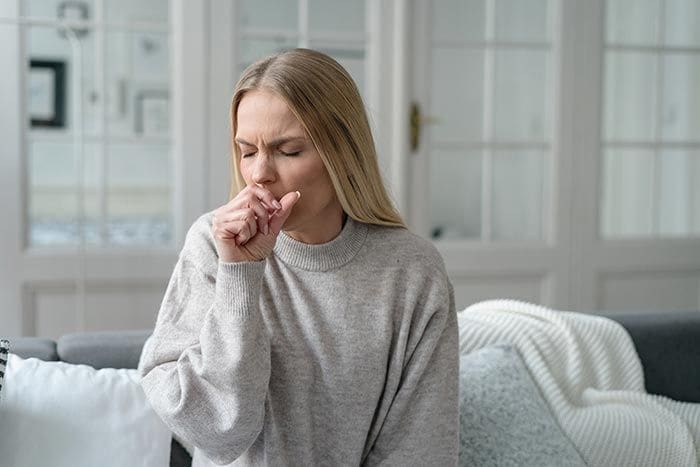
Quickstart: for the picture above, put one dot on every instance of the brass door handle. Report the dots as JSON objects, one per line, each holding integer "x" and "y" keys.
{"x": 416, "y": 120}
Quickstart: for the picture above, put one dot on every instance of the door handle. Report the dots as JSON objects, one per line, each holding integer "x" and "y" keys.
{"x": 416, "y": 121}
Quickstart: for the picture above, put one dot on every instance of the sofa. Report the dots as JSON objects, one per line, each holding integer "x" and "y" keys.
{"x": 668, "y": 344}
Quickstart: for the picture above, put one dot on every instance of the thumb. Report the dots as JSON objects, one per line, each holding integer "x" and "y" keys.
{"x": 288, "y": 201}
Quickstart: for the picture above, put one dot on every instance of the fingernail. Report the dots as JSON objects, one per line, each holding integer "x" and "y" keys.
{"x": 298, "y": 195}
{"x": 265, "y": 229}
{"x": 277, "y": 204}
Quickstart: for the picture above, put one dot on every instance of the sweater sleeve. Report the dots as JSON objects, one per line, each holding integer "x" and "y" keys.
{"x": 422, "y": 424}
{"x": 205, "y": 369}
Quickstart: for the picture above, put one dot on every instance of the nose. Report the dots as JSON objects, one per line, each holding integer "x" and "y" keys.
{"x": 263, "y": 170}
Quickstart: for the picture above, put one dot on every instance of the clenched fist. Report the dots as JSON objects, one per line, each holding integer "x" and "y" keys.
{"x": 246, "y": 228}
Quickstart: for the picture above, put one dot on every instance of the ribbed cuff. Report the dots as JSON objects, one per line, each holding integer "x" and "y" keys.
{"x": 238, "y": 286}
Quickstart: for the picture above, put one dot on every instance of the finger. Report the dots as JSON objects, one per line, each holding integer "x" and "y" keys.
{"x": 251, "y": 200}
{"x": 251, "y": 224}
{"x": 288, "y": 201}
{"x": 266, "y": 197}
{"x": 230, "y": 229}
{"x": 245, "y": 214}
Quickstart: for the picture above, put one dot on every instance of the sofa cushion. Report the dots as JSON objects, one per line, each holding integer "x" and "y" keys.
{"x": 504, "y": 420}
{"x": 105, "y": 349}
{"x": 58, "y": 414}
{"x": 38, "y": 347}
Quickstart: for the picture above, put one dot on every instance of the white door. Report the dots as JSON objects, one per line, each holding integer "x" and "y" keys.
{"x": 102, "y": 171}
{"x": 637, "y": 155}
{"x": 559, "y": 154}
{"x": 490, "y": 172}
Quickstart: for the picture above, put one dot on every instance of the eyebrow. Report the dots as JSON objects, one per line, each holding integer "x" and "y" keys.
{"x": 274, "y": 142}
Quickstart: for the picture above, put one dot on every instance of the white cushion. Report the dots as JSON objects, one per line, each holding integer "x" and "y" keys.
{"x": 59, "y": 414}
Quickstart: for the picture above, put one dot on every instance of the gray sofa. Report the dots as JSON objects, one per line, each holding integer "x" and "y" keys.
{"x": 668, "y": 344}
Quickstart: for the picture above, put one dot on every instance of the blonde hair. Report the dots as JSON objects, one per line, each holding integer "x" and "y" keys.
{"x": 324, "y": 98}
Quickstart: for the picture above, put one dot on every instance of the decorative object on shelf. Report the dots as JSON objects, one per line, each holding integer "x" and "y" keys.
{"x": 47, "y": 92}
{"x": 73, "y": 11}
{"x": 152, "y": 113}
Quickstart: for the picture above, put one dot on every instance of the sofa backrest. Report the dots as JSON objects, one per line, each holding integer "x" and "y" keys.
{"x": 668, "y": 344}
{"x": 104, "y": 349}
{"x": 38, "y": 347}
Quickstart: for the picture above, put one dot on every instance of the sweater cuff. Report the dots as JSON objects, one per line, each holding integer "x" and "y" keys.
{"x": 238, "y": 286}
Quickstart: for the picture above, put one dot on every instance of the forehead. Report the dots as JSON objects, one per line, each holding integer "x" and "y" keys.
{"x": 262, "y": 113}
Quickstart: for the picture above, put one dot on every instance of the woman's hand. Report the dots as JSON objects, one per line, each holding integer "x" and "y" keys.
{"x": 246, "y": 228}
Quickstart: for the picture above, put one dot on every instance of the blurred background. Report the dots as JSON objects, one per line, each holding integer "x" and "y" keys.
{"x": 549, "y": 148}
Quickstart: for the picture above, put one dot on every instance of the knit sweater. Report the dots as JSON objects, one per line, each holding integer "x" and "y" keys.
{"x": 344, "y": 353}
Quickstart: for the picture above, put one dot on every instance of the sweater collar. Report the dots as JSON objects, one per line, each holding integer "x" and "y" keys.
{"x": 324, "y": 256}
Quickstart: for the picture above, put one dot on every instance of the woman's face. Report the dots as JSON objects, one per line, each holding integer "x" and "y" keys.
{"x": 276, "y": 154}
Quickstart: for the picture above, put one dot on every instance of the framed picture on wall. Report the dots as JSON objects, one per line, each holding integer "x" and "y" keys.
{"x": 47, "y": 93}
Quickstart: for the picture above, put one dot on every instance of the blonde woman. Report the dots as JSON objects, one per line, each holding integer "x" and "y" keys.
{"x": 303, "y": 323}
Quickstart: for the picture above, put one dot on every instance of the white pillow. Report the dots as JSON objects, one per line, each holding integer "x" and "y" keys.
{"x": 59, "y": 414}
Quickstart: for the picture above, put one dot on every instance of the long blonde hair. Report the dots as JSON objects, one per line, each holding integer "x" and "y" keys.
{"x": 325, "y": 99}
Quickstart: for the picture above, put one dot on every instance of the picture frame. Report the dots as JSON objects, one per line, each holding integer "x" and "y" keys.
{"x": 47, "y": 93}
{"x": 152, "y": 113}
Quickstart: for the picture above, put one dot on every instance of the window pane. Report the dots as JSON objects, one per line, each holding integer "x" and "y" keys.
{"x": 455, "y": 194}
{"x": 674, "y": 193}
{"x": 457, "y": 94}
{"x": 632, "y": 21}
{"x": 54, "y": 194}
{"x": 682, "y": 23}
{"x": 58, "y": 9}
{"x": 137, "y": 83}
{"x": 681, "y": 101}
{"x": 458, "y": 20}
{"x": 48, "y": 45}
{"x": 630, "y": 87}
{"x": 627, "y": 197}
{"x": 522, "y": 96}
{"x": 518, "y": 20}
{"x": 268, "y": 14}
{"x": 149, "y": 56}
{"x": 139, "y": 194}
{"x": 250, "y": 50}
{"x": 129, "y": 11}
{"x": 336, "y": 16}
{"x": 519, "y": 179}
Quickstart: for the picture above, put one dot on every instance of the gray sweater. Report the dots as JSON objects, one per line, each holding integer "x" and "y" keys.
{"x": 343, "y": 353}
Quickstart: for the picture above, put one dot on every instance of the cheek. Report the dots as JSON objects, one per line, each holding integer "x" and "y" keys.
{"x": 244, "y": 170}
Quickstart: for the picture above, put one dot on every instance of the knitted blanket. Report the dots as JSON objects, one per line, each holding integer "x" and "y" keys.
{"x": 590, "y": 375}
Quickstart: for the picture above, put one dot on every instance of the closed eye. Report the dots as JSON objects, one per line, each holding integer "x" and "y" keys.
{"x": 247, "y": 154}
{"x": 291, "y": 154}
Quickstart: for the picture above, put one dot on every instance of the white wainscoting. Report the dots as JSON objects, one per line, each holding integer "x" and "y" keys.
{"x": 53, "y": 308}
{"x": 649, "y": 290}
{"x": 469, "y": 289}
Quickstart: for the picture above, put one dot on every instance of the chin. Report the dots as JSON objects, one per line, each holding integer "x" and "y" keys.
{"x": 291, "y": 223}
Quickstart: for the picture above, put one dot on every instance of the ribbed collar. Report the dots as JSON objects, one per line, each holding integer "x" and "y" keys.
{"x": 324, "y": 256}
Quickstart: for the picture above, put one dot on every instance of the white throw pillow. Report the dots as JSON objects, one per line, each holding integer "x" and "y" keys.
{"x": 59, "y": 414}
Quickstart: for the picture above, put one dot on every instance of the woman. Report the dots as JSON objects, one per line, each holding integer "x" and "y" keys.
{"x": 303, "y": 324}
